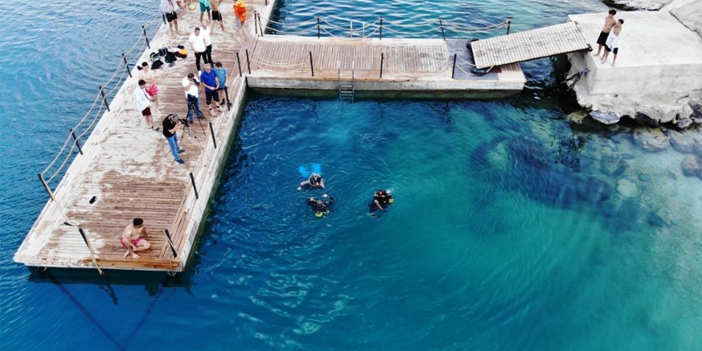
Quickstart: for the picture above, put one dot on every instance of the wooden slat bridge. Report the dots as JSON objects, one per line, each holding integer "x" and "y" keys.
{"x": 529, "y": 45}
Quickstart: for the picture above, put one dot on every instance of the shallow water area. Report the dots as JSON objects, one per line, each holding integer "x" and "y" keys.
{"x": 513, "y": 227}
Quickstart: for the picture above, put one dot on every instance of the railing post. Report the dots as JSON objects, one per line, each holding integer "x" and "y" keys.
{"x": 382, "y": 58}
{"x": 255, "y": 23}
{"x": 453, "y": 71}
{"x": 102, "y": 92}
{"x": 248, "y": 61}
{"x": 509, "y": 24}
{"x": 148, "y": 45}
{"x": 238, "y": 60}
{"x": 214, "y": 141}
{"x": 192, "y": 179}
{"x": 443, "y": 34}
{"x": 266, "y": 2}
{"x": 127, "y": 65}
{"x": 259, "y": 23}
{"x": 311, "y": 64}
{"x": 319, "y": 35}
{"x": 90, "y": 248}
{"x": 351, "y": 29}
{"x": 381, "y": 28}
{"x": 46, "y": 186}
{"x": 170, "y": 243}
{"x": 75, "y": 140}
{"x": 163, "y": 18}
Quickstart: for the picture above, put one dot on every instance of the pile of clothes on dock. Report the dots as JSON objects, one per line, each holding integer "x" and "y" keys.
{"x": 167, "y": 55}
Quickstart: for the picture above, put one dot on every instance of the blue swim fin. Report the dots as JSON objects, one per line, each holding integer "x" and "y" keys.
{"x": 316, "y": 168}
{"x": 303, "y": 172}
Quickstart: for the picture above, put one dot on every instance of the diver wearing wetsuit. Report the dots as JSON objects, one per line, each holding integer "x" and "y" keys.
{"x": 320, "y": 207}
{"x": 381, "y": 200}
{"x": 315, "y": 181}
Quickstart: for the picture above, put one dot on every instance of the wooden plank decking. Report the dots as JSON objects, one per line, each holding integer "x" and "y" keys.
{"x": 529, "y": 45}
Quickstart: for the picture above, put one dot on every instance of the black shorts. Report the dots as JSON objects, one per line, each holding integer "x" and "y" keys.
{"x": 209, "y": 95}
{"x": 216, "y": 16}
{"x": 602, "y": 39}
{"x": 615, "y": 51}
{"x": 170, "y": 16}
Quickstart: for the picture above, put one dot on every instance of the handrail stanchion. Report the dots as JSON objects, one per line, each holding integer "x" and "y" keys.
{"x": 259, "y": 24}
{"x": 238, "y": 61}
{"x": 90, "y": 248}
{"x": 163, "y": 18}
{"x": 146, "y": 37}
{"x": 214, "y": 141}
{"x": 381, "y": 28}
{"x": 170, "y": 242}
{"x": 351, "y": 29}
{"x": 453, "y": 71}
{"x": 319, "y": 35}
{"x": 46, "y": 186}
{"x": 509, "y": 24}
{"x": 248, "y": 61}
{"x": 382, "y": 58}
{"x": 192, "y": 179}
{"x": 75, "y": 140}
{"x": 443, "y": 34}
{"x": 127, "y": 65}
{"x": 255, "y": 23}
{"x": 107, "y": 104}
{"x": 311, "y": 64}
{"x": 363, "y": 36}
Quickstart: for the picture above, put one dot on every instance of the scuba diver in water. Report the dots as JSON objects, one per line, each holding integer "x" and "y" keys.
{"x": 320, "y": 206}
{"x": 382, "y": 199}
{"x": 315, "y": 181}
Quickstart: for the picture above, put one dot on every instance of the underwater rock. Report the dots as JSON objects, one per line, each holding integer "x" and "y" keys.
{"x": 644, "y": 177}
{"x": 613, "y": 165}
{"x": 646, "y": 120}
{"x": 577, "y": 116}
{"x": 651, "y": 139}
{"x": 698, "y": 148}
{"x": 654, "y": 220}
{"x": 692, "y": 166}
{"x": 683, "y": 123}
{"x": 681, "y": 142}
{"x": 627, "y": 188}
{"x": 594, "y": 189}
{"x": 696, "y": 115}
{"x": 605, "y": 117}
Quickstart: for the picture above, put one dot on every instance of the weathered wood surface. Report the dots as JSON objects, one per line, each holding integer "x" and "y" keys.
{"x": 131, "y": 172}
{"x": 528, "y": 45}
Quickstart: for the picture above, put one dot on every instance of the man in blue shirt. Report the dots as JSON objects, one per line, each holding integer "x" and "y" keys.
{"x": 221, "y": 73}
{"x": 209, "y": 80}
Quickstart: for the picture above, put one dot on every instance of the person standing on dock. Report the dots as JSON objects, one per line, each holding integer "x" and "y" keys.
{"x": 205, "y": 6}
{"x": 209, "y": 80}
{"x": 170, "y": 129}
{"x": 610, "y": 21}
{"x": 197, "y": 43}
{"x": 143, "y": 103}
{"x": 170, "y": 8}
{"x": 132, "y": 238}
{"x": 146, "y": 74}
{"x": 205, "y": 33}
{"x": 216, "y": 15}
{"x": 614, "y": 41}
{"x": 221, "y": 73}
{"x": 240, "y": 18}
{"x": 192, "y": 96}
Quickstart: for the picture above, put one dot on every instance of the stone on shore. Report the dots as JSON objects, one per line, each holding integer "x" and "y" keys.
{"x": 683, "y": 123}
{"x": 651, "y": 139}
{"x": 650, "y": 5}
{"x": 692, "y": 166}
{"x": 605, "y": 117}
{"x": 646, "y": 120}
{"x": 696, "y": 115}
{"x": 681, "y": 142}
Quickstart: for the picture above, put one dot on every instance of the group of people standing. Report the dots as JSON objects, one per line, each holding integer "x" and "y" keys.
{"x": 610, "y": 38}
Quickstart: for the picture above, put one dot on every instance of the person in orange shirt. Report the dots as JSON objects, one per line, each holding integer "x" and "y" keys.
{"x": 240, "y": 16}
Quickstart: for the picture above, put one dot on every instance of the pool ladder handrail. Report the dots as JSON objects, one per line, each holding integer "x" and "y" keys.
{"x": 347, "y": 90}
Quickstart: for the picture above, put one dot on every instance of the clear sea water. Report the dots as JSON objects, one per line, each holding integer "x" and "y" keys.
{"x": 498, "y": 239}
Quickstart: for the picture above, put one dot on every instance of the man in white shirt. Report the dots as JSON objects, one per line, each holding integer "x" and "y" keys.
{"x": 205, "y": 33}
{"x": 197, "y": 43}
{"x": 142, "y": 100}
{"x": 192, "y": 96}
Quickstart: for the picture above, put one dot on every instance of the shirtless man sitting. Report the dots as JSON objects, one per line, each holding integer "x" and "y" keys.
{"x": 610, "y": 21}
{"x": 132, "y": 238}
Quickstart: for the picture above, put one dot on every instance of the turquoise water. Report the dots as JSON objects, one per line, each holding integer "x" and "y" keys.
{"x": 513, "y": 229}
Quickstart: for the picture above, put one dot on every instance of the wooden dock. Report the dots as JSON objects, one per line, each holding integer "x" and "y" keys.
{"x": 529, "y": 45}
{"x": 129, "y": 171}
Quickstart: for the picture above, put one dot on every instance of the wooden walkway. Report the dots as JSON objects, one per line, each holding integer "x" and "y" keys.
{"x": 529, "y": 45}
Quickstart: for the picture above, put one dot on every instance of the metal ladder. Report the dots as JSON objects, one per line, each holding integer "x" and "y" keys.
{"x": 347, "y": 89}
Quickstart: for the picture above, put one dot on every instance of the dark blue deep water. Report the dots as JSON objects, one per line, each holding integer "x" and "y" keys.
{"x": 513, "y": 229}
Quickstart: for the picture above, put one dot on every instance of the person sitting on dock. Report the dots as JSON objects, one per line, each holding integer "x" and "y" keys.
{"x": 143, "y": 103}
{"x": 381, "y": 200}
{"x": 614, "y": 42}
{"x": 610, "y": 21}
{"x": 197, "y": 42}
{"x": 320, "y": 206}
{"x": 209, "y": 80}
{"x": 192, "y": 96}
{"x": 315, "y": 181}
{"x": 132, "y": 238}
